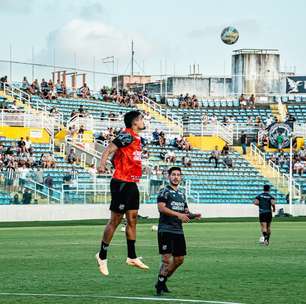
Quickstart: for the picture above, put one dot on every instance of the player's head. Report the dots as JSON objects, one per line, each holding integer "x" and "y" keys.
{"x": 175, "y": 176}
{"x": 134, "y": 119}
{"x": 266, "y": 188}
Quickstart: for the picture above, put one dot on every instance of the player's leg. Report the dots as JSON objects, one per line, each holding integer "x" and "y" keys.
{"x": 268, "y": 231}
{"x": 264, "y": 230}
{"x": 131, "y": 194}
{"x": 160, "y": 285}
{"x": 130, "y": 231}
{"x": 108, "y": 234}
{"x": 176, "y": 262}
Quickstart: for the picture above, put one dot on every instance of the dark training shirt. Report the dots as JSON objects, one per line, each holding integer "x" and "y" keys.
{"x": 265, "y": 202}
{"x": 176, "y": 201}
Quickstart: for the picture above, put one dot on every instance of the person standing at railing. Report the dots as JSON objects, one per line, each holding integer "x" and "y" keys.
{"x": 244, "y": 142}
{"x": 126, "y": 148}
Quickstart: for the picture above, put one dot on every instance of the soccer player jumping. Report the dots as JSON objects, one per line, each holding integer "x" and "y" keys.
{"x": 173, "y": 211}
{"x": 124, "y": 191}
{"x": 266, "y": 203}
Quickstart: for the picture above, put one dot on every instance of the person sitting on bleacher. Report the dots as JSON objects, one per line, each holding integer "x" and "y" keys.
{"x": 71, "y": 158}
{"x": 34, "y": 88}
{"x": 44, "y": 88}
{"x": 215, "y": 155}
{"x": 170, "y": 157}
{"x": 225, "y": 149}
{"x": 194, "y": 102}
{"x": 302, "y": 154}
{"x": 243, "y": 102}
{"x": 252, "y": 102}
{"x": 82, "y": 112}
{"x": 155, "y": 137}
{"x": 186, "y": 161}
{"x": 84, "y": 90}
{"x": 228, "y": 161}
{"x": 162, "y": 139}
{"x": 299, "y": 167}
{"x": 205, "y": 119}
{"x": 184, "y": 102}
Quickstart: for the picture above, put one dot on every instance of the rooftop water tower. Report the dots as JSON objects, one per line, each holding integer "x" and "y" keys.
{"x": 256, "y": 71}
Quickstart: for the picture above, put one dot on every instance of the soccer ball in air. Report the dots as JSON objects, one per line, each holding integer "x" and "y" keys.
{"x": 154, "y": 228}
{"x": 229, "y": 35}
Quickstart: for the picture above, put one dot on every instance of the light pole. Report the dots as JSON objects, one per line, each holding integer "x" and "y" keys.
{"x": 290, "y": 177}
{"x": 111, "y": 59}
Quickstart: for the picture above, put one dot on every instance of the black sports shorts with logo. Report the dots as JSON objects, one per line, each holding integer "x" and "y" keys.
{"x": 171, "y": 243}
{"x": 125, "y": 196}
{"x": 265, "y": 217}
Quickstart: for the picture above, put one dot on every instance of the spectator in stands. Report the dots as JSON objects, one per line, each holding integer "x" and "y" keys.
{"x": 48, "y": 161}
{"x": 112, "y": 116}
{"x": 155, "y": 136}
{"x": 157, "y": 172}
{"x": 298, "y": 167}
{"x": 269, "y": 121}
{"x": 26, "y": 197}
{"x": 38, "y": 177}
{"x": 183, "y": 144}
{"x": 2, "y": 81}
{"x": 162, "y": 139}
{"x": 71, "y": 158}
{"x": 34, "y": 88}
{"x": 243, "y": 102}
{"x": 25, "y": 84}
{"x": 228, "y": 161}
{"x": 215, "y": 155}
{"x": 225, "y": 149}
{"x": 186, "y": 161}
{"x": 244, "y": 142}
{"x": 250, "y": 121}
{"x": 28, "y": 145}
{"x": 49, "y": 183}
{"x": 214, "y": 119}
{"x": 205, "y": 119}
{"x": 44, "y": 88}
{"x": 85, "y": 91}
{"x": 252, "y": 101}
{"x": 82, "y": 112}
{"x": 21, "y": 146}
{"x": 10, "y": 176}
{"x": 302, "y": 154}
{"x": 23, "y": 173}
{"x": 194, "y": 102}
{"x": 170, "y": 157}
{"x": 184, "y": 102}
{"x": 147, "y": 118}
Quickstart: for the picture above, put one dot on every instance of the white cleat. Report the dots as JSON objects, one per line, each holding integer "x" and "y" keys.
{"x": 137, "y": 263}
{"x": 102, "y": 265}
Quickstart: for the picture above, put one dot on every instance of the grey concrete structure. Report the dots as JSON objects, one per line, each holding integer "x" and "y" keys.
{"x": 256, "y": 71}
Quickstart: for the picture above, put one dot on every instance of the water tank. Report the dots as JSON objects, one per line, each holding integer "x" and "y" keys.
{"x": 256, "y": 71}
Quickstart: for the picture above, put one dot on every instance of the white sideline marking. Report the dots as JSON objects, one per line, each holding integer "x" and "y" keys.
{"x": 157, "y": 299}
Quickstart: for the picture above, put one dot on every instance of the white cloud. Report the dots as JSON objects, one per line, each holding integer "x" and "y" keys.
{"x": 88, "y": 38}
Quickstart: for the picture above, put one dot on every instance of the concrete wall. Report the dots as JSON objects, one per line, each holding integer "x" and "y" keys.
{"x": 256, "y": 72}
{"x": 12, "y": 213}
{"x": 201, "y": 86}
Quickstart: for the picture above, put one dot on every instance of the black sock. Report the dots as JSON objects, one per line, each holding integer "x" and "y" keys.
{"x": 265, "y": 235}
{"x": 131, "y": 249}
{"x": 103, "y": 251}
{"x": 161, "y": 280}
{"x": 268, "y": 236}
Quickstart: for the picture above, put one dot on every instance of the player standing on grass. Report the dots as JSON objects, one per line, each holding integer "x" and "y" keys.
{"x": 173, "y": 211}
{"x": 266, "y": 203}
{"x": 124, "y": 191}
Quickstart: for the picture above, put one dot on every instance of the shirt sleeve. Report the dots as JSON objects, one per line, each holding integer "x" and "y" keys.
{"x": 162, "y": 196}
{"x": 123, "y": 139}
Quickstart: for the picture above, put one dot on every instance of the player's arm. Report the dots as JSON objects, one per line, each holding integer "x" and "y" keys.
{"x": 110, "y": 149}
{"x": 193, "y": 216}
{"x": 164, "y": 210}
{"x": 256, "y": 202}
{"x": 273, "y": 205}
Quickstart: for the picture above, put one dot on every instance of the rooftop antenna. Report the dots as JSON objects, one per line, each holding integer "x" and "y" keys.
{"x": 132, "y": 61}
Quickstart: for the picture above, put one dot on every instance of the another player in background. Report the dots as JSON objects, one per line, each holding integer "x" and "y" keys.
{"x": 174, "y": 211}
{"x": 124, "y": 191}
{"x": 266, "y": 203}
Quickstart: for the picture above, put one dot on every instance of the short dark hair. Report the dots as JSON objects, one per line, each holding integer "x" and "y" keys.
{"x": 266, "y": 187}
{"x": 174, "y": 169}
{"x": 129, "y": 118}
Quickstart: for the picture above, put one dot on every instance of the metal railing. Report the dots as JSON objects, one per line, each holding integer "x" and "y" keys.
{"x": 218, "y": 129}
{"x": 282, "y": 180}
{"x": 16, "y": 93}
{"x": 174, "y": 120}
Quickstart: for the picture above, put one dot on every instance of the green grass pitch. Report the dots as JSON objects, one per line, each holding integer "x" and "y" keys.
{"x": 224, "y": 263}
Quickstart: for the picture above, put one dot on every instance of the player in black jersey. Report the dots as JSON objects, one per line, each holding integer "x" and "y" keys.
{"x": 266, "y": 203}
{"x": 173, "y": 209}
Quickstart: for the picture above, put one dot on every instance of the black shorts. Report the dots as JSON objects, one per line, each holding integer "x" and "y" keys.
{"x": 125, "y": 196}
{"x": 265, "y": 217}
{"x": 171, "y": 243}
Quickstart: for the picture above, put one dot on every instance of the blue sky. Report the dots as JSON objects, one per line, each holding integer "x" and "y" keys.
{"x": 176, "y": 33}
